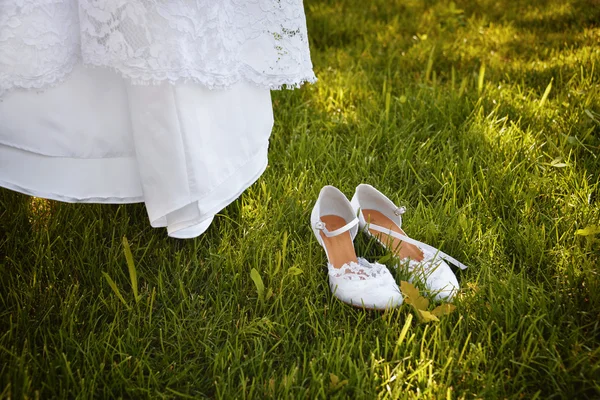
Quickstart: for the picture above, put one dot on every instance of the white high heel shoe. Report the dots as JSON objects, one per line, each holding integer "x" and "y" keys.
{"x": 353, "y": 280}
{"x": 383, "y": 220}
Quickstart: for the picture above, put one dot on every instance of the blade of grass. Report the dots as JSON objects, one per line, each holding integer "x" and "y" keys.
{"x": 131, "y": 268}
{"x": 115, "y": 289}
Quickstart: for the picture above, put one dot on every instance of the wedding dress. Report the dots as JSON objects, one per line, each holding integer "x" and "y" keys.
{"x": 165, "y": 102}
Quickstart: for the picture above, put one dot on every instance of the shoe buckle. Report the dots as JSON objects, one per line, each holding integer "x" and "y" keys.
{"x": 399, "y": 211}
{"x": 320, "y": 225}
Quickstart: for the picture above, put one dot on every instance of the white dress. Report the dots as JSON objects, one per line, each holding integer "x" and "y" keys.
{"x": 165, "y": 102}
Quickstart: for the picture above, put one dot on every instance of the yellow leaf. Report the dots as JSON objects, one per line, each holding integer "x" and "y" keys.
{"x": 412, "y": 296}
{"x": 334, "y": 379}
{"x": 409, "y": 290}
{"x": 588, "y": 230}
{"x": 444, "y": 309}
{"x": 294, "y": 271}
{"x": 426, "y": 316}
{"x": 421, "y": 303}
{"x": 335, "y": 382}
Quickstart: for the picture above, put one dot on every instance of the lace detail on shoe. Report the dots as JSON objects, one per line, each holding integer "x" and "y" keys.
{"x": 212, "y": 42}
{"x": 363, "y": 270}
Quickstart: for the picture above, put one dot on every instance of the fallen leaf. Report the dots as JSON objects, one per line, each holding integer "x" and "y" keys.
{"x": 421, "y": 303}
{"x": 409, "y": 290}
{"x": 588, "y": 230}
{"x": 426, "y": 316}
{"x": 558, "y": 163}
{"x": 444, "y": 309}
{"x": 335, "y": 382}
{"x": 334, "y": 379}
{"x": 294, "y": 271}
{"x": 412, "y": 296}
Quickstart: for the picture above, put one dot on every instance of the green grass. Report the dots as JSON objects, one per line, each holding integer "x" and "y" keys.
{"x": 483, "y": 117}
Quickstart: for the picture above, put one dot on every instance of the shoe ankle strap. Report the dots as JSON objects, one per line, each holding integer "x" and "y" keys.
{"x": 320, "y": 225}
{"x": 422, "y": 245}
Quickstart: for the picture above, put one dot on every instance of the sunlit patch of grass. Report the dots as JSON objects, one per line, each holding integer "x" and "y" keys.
{"x": 551, "y": 13}
{"x": 40, "y": 212}
{"x": 482, "y": 117}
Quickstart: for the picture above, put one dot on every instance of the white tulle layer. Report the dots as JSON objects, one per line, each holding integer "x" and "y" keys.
{"x": 184, "y": 150}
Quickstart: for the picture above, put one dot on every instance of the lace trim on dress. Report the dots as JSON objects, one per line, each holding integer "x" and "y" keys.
{"x": 215, "y": 43}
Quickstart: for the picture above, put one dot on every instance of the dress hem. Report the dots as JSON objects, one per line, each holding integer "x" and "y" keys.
{"x": 258, "y": 163}
{"x": 172, "y": 231}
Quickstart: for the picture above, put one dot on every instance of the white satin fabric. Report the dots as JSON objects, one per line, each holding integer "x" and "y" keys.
{"x": 184, "y": 150}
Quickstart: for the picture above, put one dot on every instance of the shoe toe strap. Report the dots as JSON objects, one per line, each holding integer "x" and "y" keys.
{"x": 320, "y": 225}
{"x": 422, "y": 245}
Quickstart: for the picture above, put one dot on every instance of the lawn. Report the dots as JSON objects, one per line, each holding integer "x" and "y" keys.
{"x": 482, "y": 117}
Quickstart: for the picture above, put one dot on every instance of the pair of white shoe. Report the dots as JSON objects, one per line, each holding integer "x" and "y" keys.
{"x": 359, "y": 282}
